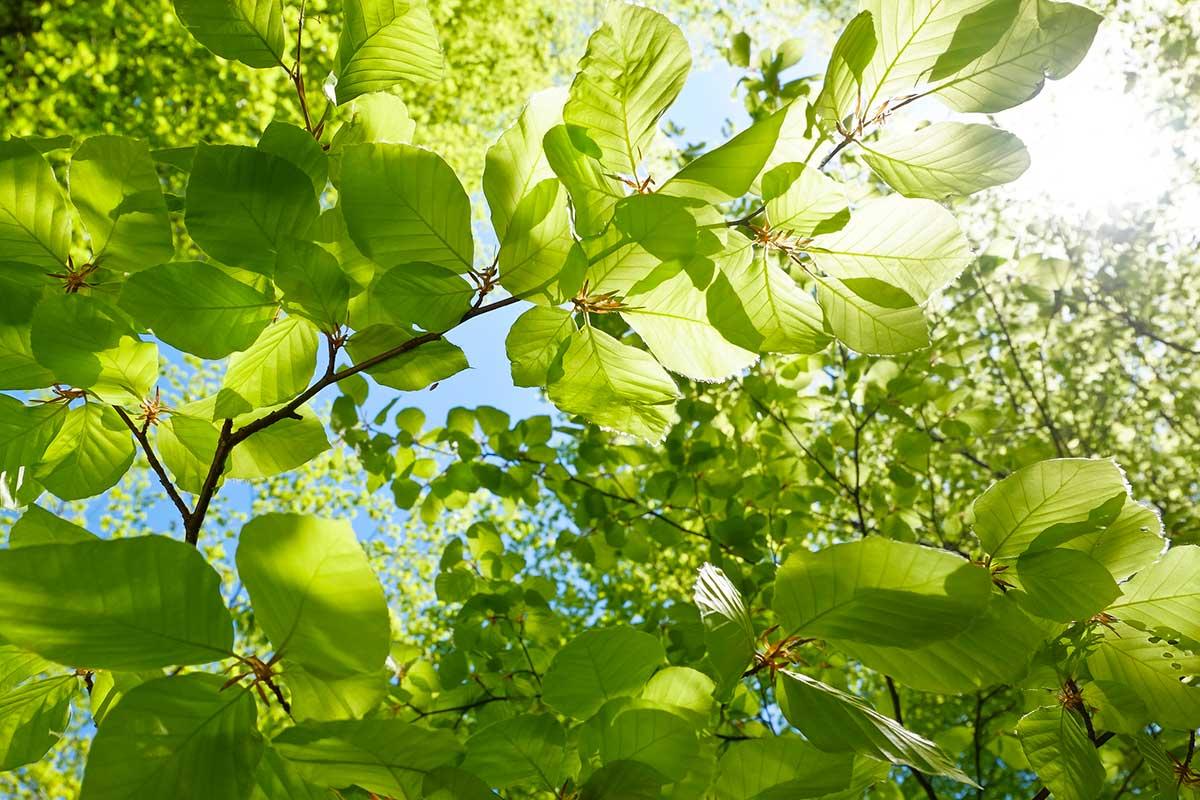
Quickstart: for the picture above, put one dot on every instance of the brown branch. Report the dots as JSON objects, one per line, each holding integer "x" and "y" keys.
{"x": 920, "y": 777}
{"x": 230, "y": 438}
{"x": 155, "y": 464}
{"x": 193, "y": 521}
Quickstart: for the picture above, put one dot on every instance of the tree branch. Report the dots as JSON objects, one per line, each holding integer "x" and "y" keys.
{"x": 155, "y": 464}
{"x": 920, "y": 777}
{"x": 230, "y": 438}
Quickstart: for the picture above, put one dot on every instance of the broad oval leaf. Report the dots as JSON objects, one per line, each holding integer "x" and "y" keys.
{"x": 527, "y": 748}
{"x": 634, "y": 68}
{"x": 116, "y": 190}
{"x": 243, "y": 203}
{"x": 314, "y": 593}
{"x": 614, "y": 385}
{"x": 384, "y": 42}
{"x": 88, "y": 455}
{"x": 947, "y": 159}
{"x": 276, "y": 368}
{"x": 535, "y": 341}
{"x": 178, "y": 736}
{"x": 837, "y": 722}
{"x": 197, "y": 307}
{"x": 32, "y": 719}
{"x": 1046, "y": 496}
{"x": 1166, "y": 595}
{"x": 880, "y": 591}
{"x": 517, "y": 162}
{"x": 35, "y": 225}
{"x": 250, "y": 31}
{"x": 597, "y": 666}
{"x": 1058, "y": 749}
{"x": 404, "y": 204}
{"x": 127, "y": 604}
{"x": 386, "y": 756}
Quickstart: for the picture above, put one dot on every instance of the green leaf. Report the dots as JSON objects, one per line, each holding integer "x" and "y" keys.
{"x": 1133, "y": 541}
{"x": 614, "y": 386}
{"x": 116, "y": 190}
{"x": 284, "y": 446}
{"x": 197, "y": 308}
{"x": 404, "y": 204}
{"x": 925, "y": 39}
{"x": 597, "y": 666}
{"x": 25, "y": 433}
{"x": 243, "y": 203}
{"x": 385, "y": 756}
{"x": 837, "y": 722}
{"x": 127, "y": 604}
{"x": 18, "y": 665}
{"x": 32, "y": 718}
{"x": 672, "y": 318}
{"x": 1152, "y": 669}
{"x": 624, "y": 780}
{"x": 276, "y": 779}
{"x": 635, "y": 66}
{"x": 90, "y": 453}
{"x": 538, "y": 258}
{"x": 802, "y": 201}
{"x": 186, "y": 445}
{"x": 726, "y": 172}
{"x": 842, "y": 92}
{"x": 534, "y": 343}
{"x": 781, "y": 767}
{"x": 516, "y": 163}
{"x": 947, "y": 159}
{"x": 683, "y": 691}
{"x": 1058, "y": 749}
{"x": 249, "y": 31}
{"x": 1013, "y": 512}
{"x": 1064, "y": 585}
{"x": 914, "y": 245}
{"x": 39, "y": 526}
{"x": 1165, "y": 596}
{"x": 88, "y": 344}
{"x": 869, "y": 327}
{"x": 322, "y": 697}
{"x": 880, "y": 591}
{"x": 298, "y": 146}
{"x": 314, "y": 593}
{"x": 18, "y": 367}
{"x": 527, "y": 748}
{"x": 410, "y": 371}
{"x": 996, "y": 649}
{"x": 594, "y": 192}
{"x": 176, "y": 736}
{"x": 109, "y": 689}
{"x": 423, "y": 294}
{"x": 1047, "y": 40}
{"x": 656, "y": 738}
{"x": 729, "y": 633}
{"x": 273, "y": 370}
{"x": 648, "y": 231}
{"x": 35, "y": 225}
{"x": 312, "y": 283}
{"x": 384, "y": 42}
{"x": 374, "y": 117}
{"x": 758, "y": 306}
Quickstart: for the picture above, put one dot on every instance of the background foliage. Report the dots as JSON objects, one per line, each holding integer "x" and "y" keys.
{"x": 530, "y": 539}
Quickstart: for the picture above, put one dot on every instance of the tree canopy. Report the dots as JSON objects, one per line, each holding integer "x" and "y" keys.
{"x": 861, "y": 482}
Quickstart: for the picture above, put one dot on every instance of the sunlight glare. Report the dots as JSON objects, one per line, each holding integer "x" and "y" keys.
{"x": 1095, "y": 148}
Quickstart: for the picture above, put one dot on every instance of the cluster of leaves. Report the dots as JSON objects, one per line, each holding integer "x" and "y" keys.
{"x": 615, "y": 712}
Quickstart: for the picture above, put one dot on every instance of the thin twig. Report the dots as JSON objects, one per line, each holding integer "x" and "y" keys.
{"x": 920, "y": 777}
{"x": 155, "y": 464}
